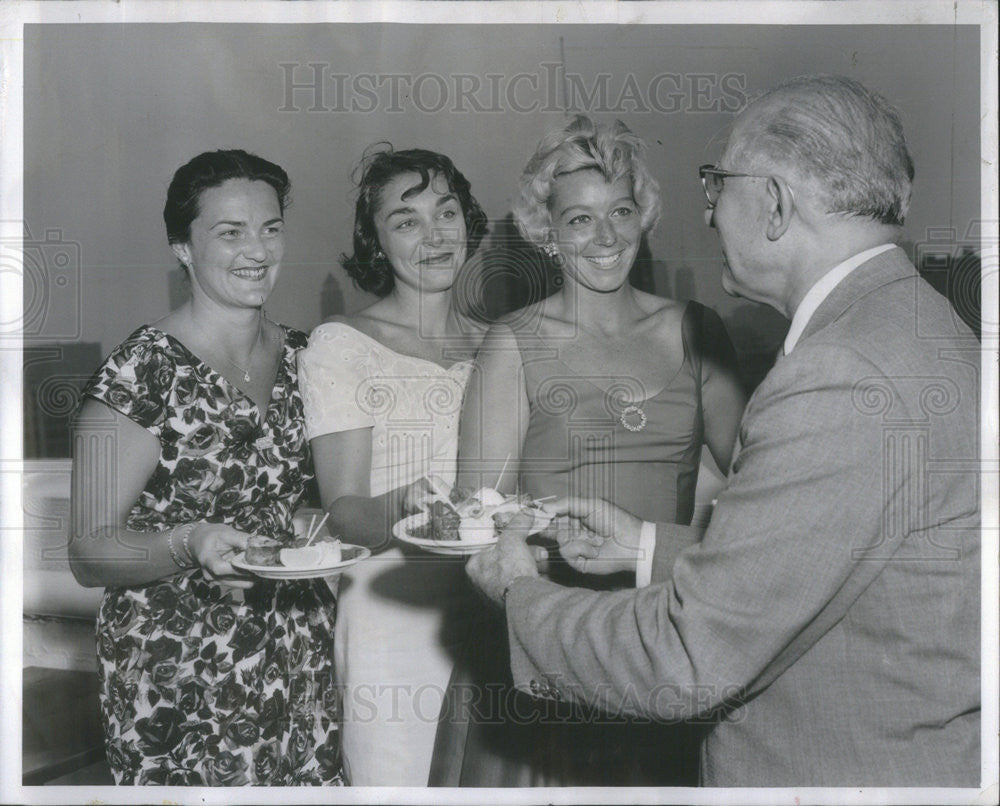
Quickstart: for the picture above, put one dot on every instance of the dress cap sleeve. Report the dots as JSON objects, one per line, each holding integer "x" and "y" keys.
{"x": 136, "y": 380}
{"x": 336, "y": 380}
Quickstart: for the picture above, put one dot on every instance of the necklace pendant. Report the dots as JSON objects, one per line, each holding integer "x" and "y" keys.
{"x": 633, "y": 418}
{"x": 246, "y": 377}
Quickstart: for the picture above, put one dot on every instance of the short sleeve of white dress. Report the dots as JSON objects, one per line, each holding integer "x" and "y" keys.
{"x": 349, "y": 381}
{"x": 333, "y": 377}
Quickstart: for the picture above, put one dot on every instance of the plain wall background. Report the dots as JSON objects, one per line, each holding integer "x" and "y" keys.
{"x": 112, "y": 110}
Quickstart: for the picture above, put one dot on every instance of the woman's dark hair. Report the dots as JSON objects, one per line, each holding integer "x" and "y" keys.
{"x": 368, "y": 267}
{"x": 209, "y": 170}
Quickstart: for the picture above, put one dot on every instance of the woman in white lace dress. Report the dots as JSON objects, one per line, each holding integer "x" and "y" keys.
{"x": 383, "y": 391}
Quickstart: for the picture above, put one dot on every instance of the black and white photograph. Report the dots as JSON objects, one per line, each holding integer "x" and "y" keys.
{"x": 466, "y": 402}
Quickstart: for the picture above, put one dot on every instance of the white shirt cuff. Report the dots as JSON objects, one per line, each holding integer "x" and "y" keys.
{"x": 644, "y": 560}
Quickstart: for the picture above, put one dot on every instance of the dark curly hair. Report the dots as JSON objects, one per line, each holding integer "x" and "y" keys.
{"x": 209, "y": 170}
{"x": 370, "y": 271}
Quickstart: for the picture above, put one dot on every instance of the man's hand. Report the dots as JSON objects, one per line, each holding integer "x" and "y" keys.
{"x": 510, "y": 558}
{"x": 595, "y": 536}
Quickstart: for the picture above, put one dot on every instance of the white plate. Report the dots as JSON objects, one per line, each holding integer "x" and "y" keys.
{"x": 356, "y": 555}
{"x": 455, "y": 548}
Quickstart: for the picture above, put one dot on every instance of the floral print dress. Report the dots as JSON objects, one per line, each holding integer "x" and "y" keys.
{"x": 202, "y": 684}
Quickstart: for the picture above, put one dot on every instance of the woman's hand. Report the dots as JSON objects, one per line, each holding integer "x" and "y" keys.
{"x": 212, "y": 547}
{"x": 417, "y": 496}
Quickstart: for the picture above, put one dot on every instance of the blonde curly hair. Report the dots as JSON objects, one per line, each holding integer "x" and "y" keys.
{"x": 610, "y": 148}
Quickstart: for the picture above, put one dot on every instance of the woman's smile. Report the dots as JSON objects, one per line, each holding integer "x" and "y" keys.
{"x": 605, "y": 261}
{"x": 437, "y": 259}
{"x": 252, "y": 273}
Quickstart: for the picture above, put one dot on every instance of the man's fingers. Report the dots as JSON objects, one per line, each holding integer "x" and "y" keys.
{"x": 573, "y": 506}
{"x": 579, "y": 548}
{"x": 518, "y": 526}
{"x": 561, "y": 529}
{"x": 474, "y": 567}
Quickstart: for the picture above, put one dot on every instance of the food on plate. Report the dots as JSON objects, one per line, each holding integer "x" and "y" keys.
{"x": 318, "y": 555}
{"x": 263, "y": 551}
{"x": 471, "y": 516}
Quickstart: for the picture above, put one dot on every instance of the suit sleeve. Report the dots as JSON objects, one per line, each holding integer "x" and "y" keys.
{"x": 805, "y": 491}
{"x": 670, "y": 540}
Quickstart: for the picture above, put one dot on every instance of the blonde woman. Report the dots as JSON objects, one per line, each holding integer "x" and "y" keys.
{"x": 600, "y": 390}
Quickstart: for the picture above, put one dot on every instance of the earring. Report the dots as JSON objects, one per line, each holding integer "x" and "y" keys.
{"x": 379, "y": 255}
{"x": 553, "y": 253}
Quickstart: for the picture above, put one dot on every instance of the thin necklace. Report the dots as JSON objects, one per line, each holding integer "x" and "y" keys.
{"x": 246, "y": 372}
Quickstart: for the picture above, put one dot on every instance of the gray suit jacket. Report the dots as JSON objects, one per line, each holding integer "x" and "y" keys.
{"x": 827, "y": 627}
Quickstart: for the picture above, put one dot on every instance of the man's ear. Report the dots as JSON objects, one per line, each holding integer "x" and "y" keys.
{"x": 782, "y": 207}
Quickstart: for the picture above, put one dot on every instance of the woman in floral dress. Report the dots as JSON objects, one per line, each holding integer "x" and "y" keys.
{"x": 190, "y": 439}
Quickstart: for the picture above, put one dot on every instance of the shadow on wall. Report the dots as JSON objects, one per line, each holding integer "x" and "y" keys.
{"x": 757, "y": 333}
{"x": 331, "y": 298}
{"x": 54, "y": 377}
{"x": 178, "y": 287}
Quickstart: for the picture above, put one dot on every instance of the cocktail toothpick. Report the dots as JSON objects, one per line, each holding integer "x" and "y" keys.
{"x": 502, "y": 471}
{"x": 312, "y": 534}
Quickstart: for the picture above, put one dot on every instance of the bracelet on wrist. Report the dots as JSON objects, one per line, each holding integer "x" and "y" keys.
{"x": 184, "y": 531}
{"x": 173, "y": 551}
{"x": 188, "y": 528}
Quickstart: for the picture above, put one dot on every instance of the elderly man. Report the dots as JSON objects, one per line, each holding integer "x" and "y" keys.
{"x": 827, "y": 626}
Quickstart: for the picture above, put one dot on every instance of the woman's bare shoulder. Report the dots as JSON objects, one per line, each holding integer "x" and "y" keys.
{"x": 661, "y": 313}
{"x": 369, "y": 321}
{"x": 540, "y": 320}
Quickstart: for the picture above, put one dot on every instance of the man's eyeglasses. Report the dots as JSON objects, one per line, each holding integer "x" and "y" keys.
{"x": 712, "y": 180}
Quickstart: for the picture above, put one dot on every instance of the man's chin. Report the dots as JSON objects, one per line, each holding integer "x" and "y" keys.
{"x": 729, "y": 284}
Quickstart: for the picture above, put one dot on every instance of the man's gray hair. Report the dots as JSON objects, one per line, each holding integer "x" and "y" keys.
{"x": 842, "y": 135}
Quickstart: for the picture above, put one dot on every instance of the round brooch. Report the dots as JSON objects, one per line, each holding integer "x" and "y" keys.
{"x": 633, "y": 418}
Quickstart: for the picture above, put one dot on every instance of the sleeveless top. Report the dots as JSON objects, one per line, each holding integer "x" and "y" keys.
{"x": 603, "y": 435}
